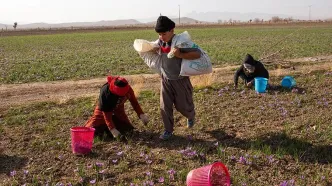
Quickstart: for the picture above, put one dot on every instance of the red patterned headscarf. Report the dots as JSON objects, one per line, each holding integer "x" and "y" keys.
{"x": 118, "y": 85}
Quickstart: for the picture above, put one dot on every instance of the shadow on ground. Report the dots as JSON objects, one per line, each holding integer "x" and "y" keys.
{"x": 10, "y": 163}
{"x": 280, "y": 143}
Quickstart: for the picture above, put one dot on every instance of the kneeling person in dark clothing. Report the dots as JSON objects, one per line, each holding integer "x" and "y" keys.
{"x": 109, "y": 115}
{"x": 249, "y": 70}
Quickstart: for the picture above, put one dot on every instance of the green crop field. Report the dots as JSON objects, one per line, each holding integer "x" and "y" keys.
{"x": 89, "y": 55}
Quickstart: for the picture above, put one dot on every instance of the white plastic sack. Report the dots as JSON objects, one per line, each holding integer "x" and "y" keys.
{"x": 146, "y": 51}
{"x": 197, "y": 66}
{"x": 142, "y": 45}
{"x": 152, "y": 59}
{"x": 194, "y": 67}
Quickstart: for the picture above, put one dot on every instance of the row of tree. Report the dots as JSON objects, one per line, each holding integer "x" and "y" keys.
{"x": 274, "y": 19}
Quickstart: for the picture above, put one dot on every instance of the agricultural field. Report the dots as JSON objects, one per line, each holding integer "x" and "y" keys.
{"x": 50, "y": 83}
{"x": 89, "y": 55}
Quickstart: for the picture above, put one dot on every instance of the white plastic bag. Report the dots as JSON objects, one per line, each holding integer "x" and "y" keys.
{"x": 194, "y": 67}
{"x": 146, "y": 51}
{"x": 197, "y": 66}
{"x": 142, "y": 45}
{"x": 152, "y": 59}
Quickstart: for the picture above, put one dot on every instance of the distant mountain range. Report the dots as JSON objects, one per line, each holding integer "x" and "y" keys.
{"x": 191, "y": 18}
{"x": 74, "y": 24}
{"x": 124, "y": 22}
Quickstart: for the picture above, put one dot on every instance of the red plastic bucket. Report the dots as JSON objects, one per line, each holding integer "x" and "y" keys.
{"x": 81, "y": 139}
{"x": 215, "y": 174}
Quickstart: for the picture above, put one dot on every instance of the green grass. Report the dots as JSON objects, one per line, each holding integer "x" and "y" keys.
{"x": 275, "y": 146}
{"x": 89, "y": 55}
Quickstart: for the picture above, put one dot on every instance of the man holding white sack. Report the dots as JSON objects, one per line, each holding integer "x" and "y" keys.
{"x": 175, "y": 89}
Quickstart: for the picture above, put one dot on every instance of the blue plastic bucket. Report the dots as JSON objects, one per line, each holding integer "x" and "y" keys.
{"x": 288, "y": 82}
{"x": 260, "y": 84}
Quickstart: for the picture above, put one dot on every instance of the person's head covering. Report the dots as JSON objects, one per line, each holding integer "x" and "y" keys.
{"x": 164, "y": 24}
{"x": 249, "y": 63}
{"x": 118, "y": 85}
{"x": 249, "y": 60}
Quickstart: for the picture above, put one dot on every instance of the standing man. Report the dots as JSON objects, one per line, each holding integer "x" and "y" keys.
{"x": 175, "y": 89}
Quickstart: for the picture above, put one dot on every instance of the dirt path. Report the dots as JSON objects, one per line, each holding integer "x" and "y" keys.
{"x": 18, "y": 94}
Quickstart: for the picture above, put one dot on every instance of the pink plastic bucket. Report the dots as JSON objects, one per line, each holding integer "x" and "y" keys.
{"x": 215, "y": 174}
{"x": 82, "y": 140}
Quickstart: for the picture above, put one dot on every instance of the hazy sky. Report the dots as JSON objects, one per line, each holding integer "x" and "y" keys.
{"x": 57, "y": 11}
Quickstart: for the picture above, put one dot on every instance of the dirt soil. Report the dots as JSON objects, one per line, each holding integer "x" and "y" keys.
{"x": 20, "y": 94}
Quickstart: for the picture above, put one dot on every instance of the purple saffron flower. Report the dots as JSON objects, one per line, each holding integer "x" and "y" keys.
{"x": 295, "y": 90}
{"x": 188, "y": 152}
{"x": 233, "y": 157}
{"x": 216, "y": 143}
{"x": 25, "y": 172}
{"x": 149, "y": 161}
{"x": 323, "y": 177}
{"x": 60, "y": 157}
{"x": 146, "y": 157}
{"x": 161, "y": 180}
{"x": 89, "y": 166}
{"x": 192, "y": 153}
{"x": 291, "y": 182}
{"x": 284, "y": 111}
{"x": 93, "y": 181}
{"x": 148, "y": 183}
{"x": 13, "y": 173}
{"x": 115, "y": 161}
{"x": 244, "y": 184}
{"x": 98, "y": 164}
{"x": 242, "y": 160}
{"x": 119, "y": 153}
{"x": 171, "y": 171}
{"x": 80, "y": 180}
{"x": 302, "y": 177}
{"x": 284, "y": 183}
{"x": 148, "y": 173}
{"x": 133, "y": 184}
{"x": 69, "y": 184}
{"x": 102, "y": 171}
{"x": 328, "y": 73}
{"x": 142, "y": 154}
{"x": 270, "y": 159}
{"x": 190, "y": 137}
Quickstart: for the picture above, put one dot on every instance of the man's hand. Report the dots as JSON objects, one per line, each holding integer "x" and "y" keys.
{"x": 144, "y": 118}
{"x": 249, "y": 85}
{"x": 176, "y": 52}
{"x": 115, "y": 133}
